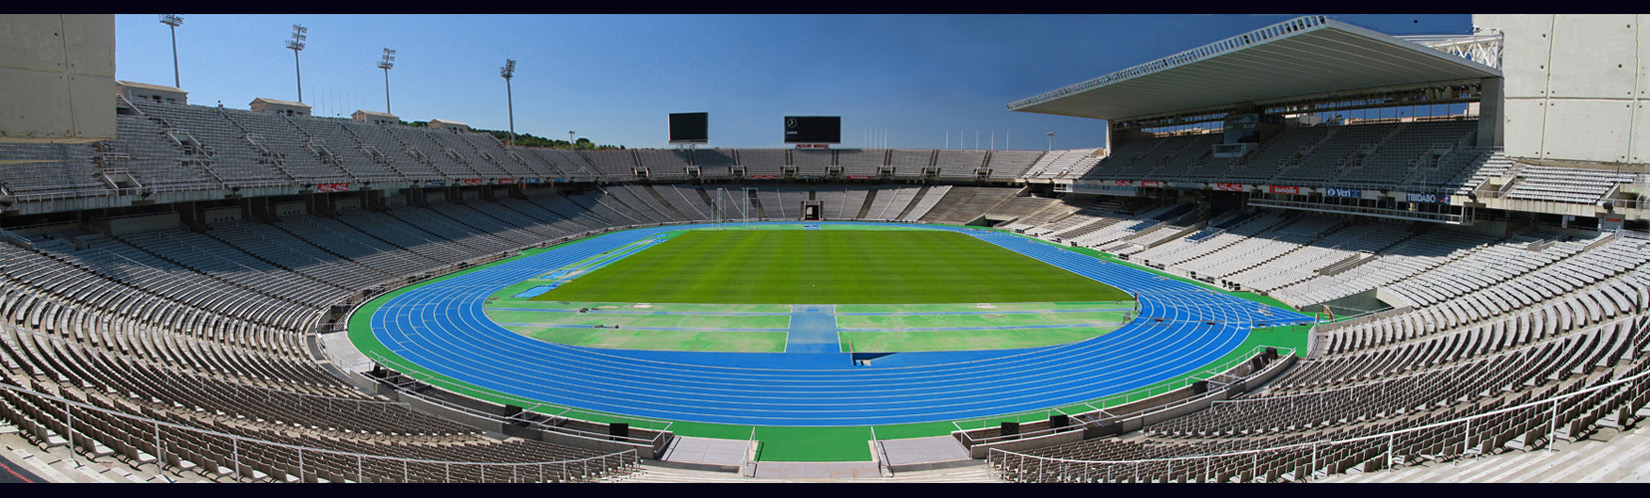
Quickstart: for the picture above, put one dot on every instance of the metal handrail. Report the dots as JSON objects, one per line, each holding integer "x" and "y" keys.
{"x": 626, "y": 457}
{"x": 475, "y": 392}
{"x": 233, "y": 382}
{"x": 1525, "y": 348}
{"x": 997, "y": 454}
{"x": 1190, "y": 379}
{"x": 656, "y": 441}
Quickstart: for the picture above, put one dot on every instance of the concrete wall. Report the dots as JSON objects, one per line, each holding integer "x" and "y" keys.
{"x": 295, "y": 208}
{"x": 135, "y": 224}
{"x": 57, "y": 77}
{"x": 223, "y": 214}
{"x": 492, "y": 423}
{"x": 1575, "y": 86}
{"x": 1022, "y": 445}
{"x": 346, "y": 204}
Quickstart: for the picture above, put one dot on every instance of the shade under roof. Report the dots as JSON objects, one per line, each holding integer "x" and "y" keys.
{"x": 1302, "y": 57}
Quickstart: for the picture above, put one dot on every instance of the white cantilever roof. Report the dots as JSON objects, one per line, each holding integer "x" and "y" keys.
{"x": 1301, "y": 57}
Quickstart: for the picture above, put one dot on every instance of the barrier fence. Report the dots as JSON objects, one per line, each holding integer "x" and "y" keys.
{"x": 460, "y": 388}
{"x": 1527, "y": 425}
{"x": 97, "y": 429}
{"x": 1099, "y": 406}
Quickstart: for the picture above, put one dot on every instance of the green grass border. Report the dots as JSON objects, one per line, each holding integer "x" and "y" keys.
{"x": 816, "y": 444}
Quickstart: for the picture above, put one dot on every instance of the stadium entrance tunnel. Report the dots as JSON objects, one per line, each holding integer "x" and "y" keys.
{"x": 864, "y": 359}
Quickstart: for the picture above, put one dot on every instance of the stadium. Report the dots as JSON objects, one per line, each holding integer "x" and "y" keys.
{"x": 1311, "y": 252}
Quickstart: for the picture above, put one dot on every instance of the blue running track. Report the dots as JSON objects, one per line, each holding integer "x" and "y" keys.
{"x": 441, "y": 327}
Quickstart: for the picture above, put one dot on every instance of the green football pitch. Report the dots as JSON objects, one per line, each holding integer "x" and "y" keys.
{"x": 829, "y": 267}
{"x": 906, "y": 317}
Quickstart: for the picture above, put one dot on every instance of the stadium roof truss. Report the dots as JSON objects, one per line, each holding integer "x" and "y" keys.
{"x": 1481, "y": 48}
{"x": 1310, "y": 58}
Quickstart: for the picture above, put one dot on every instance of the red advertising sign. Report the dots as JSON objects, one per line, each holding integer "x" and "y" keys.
{"x": 763, "y": 177}
{"x": 1123, "y": 183}
{"x": 474, "y": 181}
{"x": 1151, "y": 183}
{"x": 859, "y": 177}
{"x": 332, "y": 187}
{"x": 1282, "y": 189}
{"x": 506, "y": 181}
{"x": 1229, "y": 187}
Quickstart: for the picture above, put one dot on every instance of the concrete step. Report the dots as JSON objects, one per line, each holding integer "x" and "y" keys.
{"x": 654, "y": 474}
{"x": 1625, "y": 457}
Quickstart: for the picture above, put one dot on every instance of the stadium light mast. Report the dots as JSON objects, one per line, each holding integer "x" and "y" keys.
{"x": 174, "y": 21}
{"x": 569, "y": 140}
{"x": 297, "y": 45}
{"x": 509, "y": 71}
{"x": 386, "y": 63}
{"x": 1051, "y": 141}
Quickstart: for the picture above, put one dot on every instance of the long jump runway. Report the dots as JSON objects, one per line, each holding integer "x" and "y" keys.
{"x": 440, "y": 326}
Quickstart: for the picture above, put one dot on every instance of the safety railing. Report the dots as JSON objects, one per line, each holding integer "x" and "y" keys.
{"x": 236, "y": 388}
{"x": 1202, "y": 468}
{"x": 415, "y": 373}
{"x": 1098, "y": 407}
{"x": 246, "y": 454}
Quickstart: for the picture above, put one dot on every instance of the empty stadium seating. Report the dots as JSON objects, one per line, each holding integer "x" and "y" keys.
{"x": 1504, "y": 348}
{"x": 189, "y": 348}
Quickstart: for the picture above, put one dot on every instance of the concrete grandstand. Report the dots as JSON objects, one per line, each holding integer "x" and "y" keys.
{"x": 176, "y": 296}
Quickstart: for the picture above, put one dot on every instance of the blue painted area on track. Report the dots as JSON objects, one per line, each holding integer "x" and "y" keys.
{"x": 442, "y": 327}
{"x": 562, "y": 276}
{"x": 813, "y": 330}
{"x": 535, "y": 292}
{"x": 1003, "y": 327}
{"x": 639, "y": 327}
{"x": 639, "y": 312}
{"x": 901, "y": 313}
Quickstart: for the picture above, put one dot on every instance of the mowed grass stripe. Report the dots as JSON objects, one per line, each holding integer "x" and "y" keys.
{"x": 966, "y": 340}
{"x": 638, "y": 320}
{"x": 830, "y": 267}
{"x": 1108, "y": 318}
{"x": 663, "y": 340}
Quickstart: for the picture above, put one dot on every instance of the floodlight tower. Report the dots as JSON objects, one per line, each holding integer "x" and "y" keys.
{"x": 1051, "y": 141}
{"x": 297, "y": 45}
{"x": 387, "y": 62}
{"x": 570, "y": 140}
{"x": 174, "y": 21}
{"x": 509, "y": 71}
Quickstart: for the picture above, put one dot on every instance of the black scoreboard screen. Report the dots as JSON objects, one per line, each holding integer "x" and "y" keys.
{"x": 813, "y": 129}
{"x": 690, "y": 128}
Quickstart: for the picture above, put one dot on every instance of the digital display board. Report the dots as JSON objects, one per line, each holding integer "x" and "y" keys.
{"x": 813, "y": 129}
{"x": 690, "y": 128}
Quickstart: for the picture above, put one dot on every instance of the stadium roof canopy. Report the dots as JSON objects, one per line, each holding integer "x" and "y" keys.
{"x": 147, "y": 86}
{"x": 1305, "y": 57}
{"x": 279, "y": 102}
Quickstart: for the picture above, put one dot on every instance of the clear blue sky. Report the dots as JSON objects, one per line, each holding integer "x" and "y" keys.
{"x": 614, "y": 78}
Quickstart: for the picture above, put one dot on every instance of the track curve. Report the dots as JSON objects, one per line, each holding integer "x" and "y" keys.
{"x": 440, "y": 326}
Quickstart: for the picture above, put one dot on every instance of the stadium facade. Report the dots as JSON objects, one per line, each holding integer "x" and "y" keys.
{"x": 174, "y": 275}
